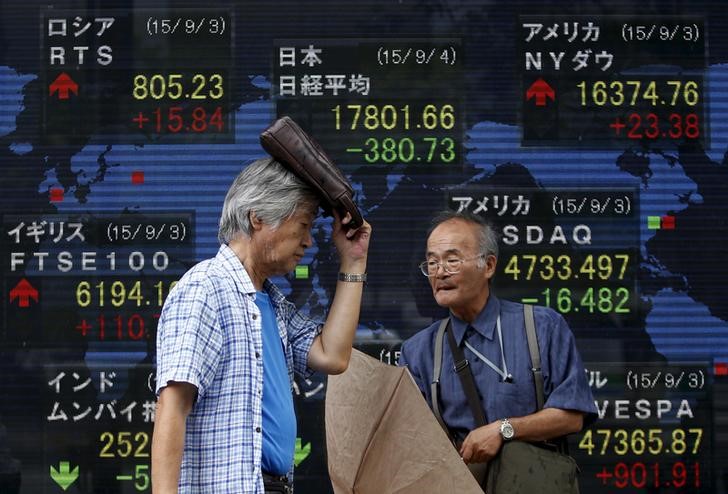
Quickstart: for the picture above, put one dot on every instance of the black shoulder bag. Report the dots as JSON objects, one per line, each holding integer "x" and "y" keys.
{"x": 520, "y": 467}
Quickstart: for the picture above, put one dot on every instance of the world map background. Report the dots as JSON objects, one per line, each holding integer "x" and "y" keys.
{"x": 681, "y": 272}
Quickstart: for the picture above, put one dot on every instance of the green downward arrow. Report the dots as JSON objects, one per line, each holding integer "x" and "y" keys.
{"x": 301, "y": 453}
{"x": 64, "y": 476}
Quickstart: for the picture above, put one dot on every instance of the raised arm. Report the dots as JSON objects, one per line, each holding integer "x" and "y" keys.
{"x": 331, "y": 349}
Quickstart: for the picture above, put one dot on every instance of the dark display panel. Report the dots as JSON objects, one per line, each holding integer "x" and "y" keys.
{"x": 594, "y": 136}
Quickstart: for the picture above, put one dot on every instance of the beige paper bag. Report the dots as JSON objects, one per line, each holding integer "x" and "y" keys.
{"x": 382, "y": 437}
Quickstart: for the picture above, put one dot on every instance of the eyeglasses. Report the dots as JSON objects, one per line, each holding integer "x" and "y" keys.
{"x": 451, "y": 265}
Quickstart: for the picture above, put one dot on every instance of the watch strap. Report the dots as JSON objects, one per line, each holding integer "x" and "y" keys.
{"x": 353, "y": 277}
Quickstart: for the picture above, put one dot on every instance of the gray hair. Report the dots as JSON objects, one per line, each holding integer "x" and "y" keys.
{"x": 271, "y": 191}
{"x": 487, "y": 235}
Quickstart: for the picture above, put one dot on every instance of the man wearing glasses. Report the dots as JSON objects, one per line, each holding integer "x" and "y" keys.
{"x": 460, "y": 261}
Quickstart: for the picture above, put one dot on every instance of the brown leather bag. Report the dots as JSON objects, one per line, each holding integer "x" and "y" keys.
{"x": 285, "y": 141}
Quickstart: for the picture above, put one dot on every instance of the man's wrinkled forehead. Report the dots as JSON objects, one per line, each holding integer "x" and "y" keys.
{"x": 449, "y": 252}
{"x": 305, "y": 212}
{"x": 308, "y": 206}
{"x": 452, "y": 237}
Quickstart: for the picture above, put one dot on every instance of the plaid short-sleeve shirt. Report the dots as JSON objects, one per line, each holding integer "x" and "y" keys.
{"x": 209, "y": 335}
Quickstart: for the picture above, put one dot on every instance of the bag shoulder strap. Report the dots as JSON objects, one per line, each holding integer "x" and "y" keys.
{"x": 436, "y": 370}
{"x": 561, "y": 443}
{"x": 535, "y": 355}
{"x": 462, "y": 369}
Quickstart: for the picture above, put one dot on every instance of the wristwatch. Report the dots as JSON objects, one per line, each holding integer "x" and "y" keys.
{"x": 506, "y": 430}
{"x": 353, "y": 277}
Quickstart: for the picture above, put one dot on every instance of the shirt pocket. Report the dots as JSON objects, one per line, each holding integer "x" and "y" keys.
{"x": 509, "y": 400}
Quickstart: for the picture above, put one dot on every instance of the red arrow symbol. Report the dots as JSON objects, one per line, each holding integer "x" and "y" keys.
{"x": 63, "y": 85}
{"x": 540, "y": 90}
{"x": 23, "y": 291}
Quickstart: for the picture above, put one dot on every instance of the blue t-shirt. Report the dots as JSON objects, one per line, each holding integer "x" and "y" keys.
{"x": 279, "y": 417}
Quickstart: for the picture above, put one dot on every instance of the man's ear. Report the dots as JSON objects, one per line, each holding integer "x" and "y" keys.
{"x": 490, "y": 263}
{"x": 255, "y": 223}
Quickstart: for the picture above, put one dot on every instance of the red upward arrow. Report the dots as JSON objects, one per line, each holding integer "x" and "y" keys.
{"x": 540, "y": 90}
{"x": 23, "y": 291}
{"x": 63, "y": 85}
